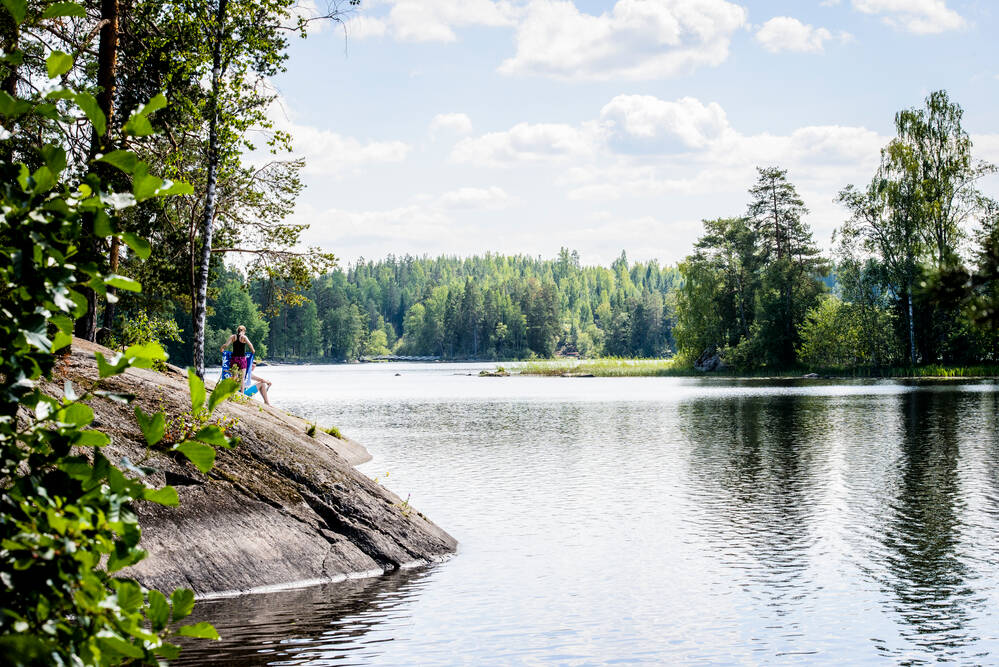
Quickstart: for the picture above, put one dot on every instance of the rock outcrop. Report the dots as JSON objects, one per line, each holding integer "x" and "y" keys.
{"x": 283, "y": 508}
{"x": 709, "y": 361}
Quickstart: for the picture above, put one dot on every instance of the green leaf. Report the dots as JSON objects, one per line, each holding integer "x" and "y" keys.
{"x": 165, "y": 496}
{"x": 202, "y": 630}
{"x": 121, "y": 282}
{"x": 102, "y": 225}
{"x": 222, "y": 391}
{"x": 202, "y": 456}
{"x": 170, "y": 188}
{"x": 18, "y": 9}
{"x": 158, "y": 611}
{"x": 126, "y": 161}
{"x": 183, "y": 603}
{"x": 44, "y": 179}
{"x": 197, "y": 390}
{"x": 61, "y": 340}
{"x": 213, "y": 435}
{"x": 64, "y": 9}
{"x": 139, "y": 245}
{"x": 11, "y": 106}
{"x": 145, "y": 185}
{"x": 129, "y": 595}
{"x": 138, "y": 124}
{"x": 148, "y": 351}
{"x": 153, "y": 427}
{"x": 54, "y": 157}
{"x": 124, "y": 556}
{"x": 168, "y": 651}
{"x": 107, "y": 370}
{"x": 92, "y": 439}
{"x": 119, "y": 645}
{"x": 88, "y": 104}
{"x": 77, "y": 414}
{"x": 77, "y": 467}
{"x": 158, "y": 102}
{"x": 58, "y": 63}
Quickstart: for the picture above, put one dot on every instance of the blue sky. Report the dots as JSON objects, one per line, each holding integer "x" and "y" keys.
{"x": 466, "y": 126}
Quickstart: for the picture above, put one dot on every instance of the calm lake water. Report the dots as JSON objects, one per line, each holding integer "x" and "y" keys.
{"x": 653, "y": 520}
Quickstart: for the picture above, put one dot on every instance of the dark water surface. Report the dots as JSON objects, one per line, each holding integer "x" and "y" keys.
{"x": 653, "y": 520}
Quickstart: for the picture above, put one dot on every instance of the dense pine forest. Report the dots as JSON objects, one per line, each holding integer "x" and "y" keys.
{"x": 488, "y": 307}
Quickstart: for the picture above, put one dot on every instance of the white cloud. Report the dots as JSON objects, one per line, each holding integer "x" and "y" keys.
{"x": 457, "y": 123}
{"x": 360, "y": 27}
{"x": 475, "y": 198}
{"x": 332, "y": 154}
{"x": 636, "y": 137}
{"x": 655, "y": 122}
{"x": 433, "y": 20}
{"x": 526, "y": 142}
{"x": 917, "y": 16}
{"x": 416, "y": 226}
{"x": 643, "y": 147}
{"x": 783, "y": 33}
{"x": 637, "y": 39}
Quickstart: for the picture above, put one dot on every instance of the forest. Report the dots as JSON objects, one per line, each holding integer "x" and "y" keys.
{"x": 909, "y": 282}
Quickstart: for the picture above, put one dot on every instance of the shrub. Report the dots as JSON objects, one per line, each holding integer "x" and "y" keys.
{"x": 66, "y": 523}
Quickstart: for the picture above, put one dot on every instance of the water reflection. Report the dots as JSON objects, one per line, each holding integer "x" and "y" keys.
{"x": 757, "y": 479}
{"x": 332, "y": 622}
{"x": 657, "y": 521}
{"x": 925, "y": 567}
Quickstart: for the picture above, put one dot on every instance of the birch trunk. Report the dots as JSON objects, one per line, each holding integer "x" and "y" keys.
{"x": 208, "y": 221}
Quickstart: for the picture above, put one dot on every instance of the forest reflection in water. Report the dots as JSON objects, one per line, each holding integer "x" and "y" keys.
{"x": 675, "y": 521}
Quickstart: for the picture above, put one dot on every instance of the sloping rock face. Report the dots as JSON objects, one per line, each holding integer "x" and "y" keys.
{"x": 282, "y": 508}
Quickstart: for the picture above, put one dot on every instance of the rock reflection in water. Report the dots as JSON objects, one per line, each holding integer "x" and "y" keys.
{"x": 324, "y": 624}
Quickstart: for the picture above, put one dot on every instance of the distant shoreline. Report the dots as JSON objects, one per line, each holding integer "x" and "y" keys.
{"x": 583, "y": 368}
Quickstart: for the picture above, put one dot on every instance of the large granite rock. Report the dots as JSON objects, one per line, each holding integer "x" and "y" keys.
{"x": 282, "y": 508}
{"x": 710, "y": 361}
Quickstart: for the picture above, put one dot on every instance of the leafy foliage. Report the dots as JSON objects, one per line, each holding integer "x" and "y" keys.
{"x": 66, "y": 520}
{"x": 751, "y": 281}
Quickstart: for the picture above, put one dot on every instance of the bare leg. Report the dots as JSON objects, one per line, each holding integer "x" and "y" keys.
{"x": 262, "y": 386}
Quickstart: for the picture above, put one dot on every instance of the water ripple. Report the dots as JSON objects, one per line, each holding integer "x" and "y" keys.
{"x": 652, "y": 520}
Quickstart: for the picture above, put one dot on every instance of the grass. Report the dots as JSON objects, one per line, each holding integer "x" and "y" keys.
{"x": 676, "y": 368}
{"x": 334, "y": 431}
{"x": 604, "y": 368}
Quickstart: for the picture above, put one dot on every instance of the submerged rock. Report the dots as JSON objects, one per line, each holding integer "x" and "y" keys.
{"x": 282, "y": 508}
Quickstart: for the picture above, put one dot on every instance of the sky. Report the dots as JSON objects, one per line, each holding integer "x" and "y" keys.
{"x": 462, "y": 127}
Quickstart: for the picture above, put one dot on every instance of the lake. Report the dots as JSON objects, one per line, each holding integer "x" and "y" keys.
{"x": 652, "y": 520}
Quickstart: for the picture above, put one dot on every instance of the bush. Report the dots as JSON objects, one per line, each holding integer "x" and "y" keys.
{"x": 66, "y": 523}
